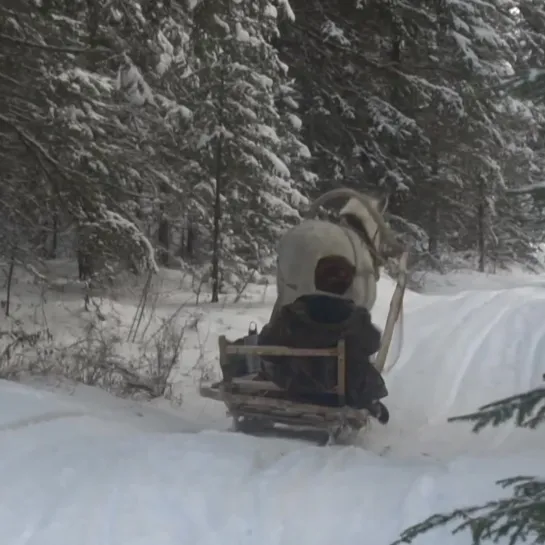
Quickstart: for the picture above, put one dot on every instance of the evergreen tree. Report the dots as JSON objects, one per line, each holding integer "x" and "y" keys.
{"x": 519, "y": 517}
{"x": 250, "y": 176}
{"x": 85, "y": 127}
{"x": 114, "y": 112}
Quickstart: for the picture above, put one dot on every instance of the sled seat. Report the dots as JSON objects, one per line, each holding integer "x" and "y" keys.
{"x": 251, "y": 384}
{"x": 248, "y": 397}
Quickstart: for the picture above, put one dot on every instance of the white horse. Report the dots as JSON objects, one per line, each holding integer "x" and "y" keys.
{"x": 353, "y": 248}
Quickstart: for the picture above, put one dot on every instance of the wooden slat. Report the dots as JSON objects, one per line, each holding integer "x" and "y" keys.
{"x": 279, "y": 351}
{"x": 341, "y": 372}
{"x": 253, "y": 386}
{"x": 223, "y": 346}
{"x": 264, "y": 407}
{"x": 248, "y": 383}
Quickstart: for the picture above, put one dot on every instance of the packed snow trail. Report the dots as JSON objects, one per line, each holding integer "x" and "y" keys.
{"x": 101, "y": 473}
{"x": 97, "y": 482}
{"x": 461, "y": 352}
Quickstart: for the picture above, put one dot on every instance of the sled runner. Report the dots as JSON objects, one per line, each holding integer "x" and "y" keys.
{"x": 256, "y": 405}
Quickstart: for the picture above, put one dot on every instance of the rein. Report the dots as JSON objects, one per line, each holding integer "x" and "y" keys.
{"x": 353, "y": 222}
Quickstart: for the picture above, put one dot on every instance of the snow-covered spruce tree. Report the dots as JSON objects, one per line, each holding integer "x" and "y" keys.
{"x": 519, "y": 221}
{"x": 520, "y": 517}
{"x": 426, "y": 91}
{"x": 464, "y": 50}
{"x": 522, "y": 126}
{"x": 249, "y": 176}
{"x": 528, "y": 81}
{"x": 404, "y": 97}
{"x": 28, "y": 194}
{"x": 85, "y": 119}
{"x": 387, "y": 102}
{"x": 143, "y": 145}
{"x": 163, "y": 67}
{"x": 520, "y": 211}
{"x": 471, "y": 46}
{"x": 358, "y": 97}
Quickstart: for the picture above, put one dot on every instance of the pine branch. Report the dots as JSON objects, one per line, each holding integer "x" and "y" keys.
{"x": 528, "y": 85}
{"x": 519, "y": 517}
{"x": 527, "y": 409}
{"x": 51, "y": 48}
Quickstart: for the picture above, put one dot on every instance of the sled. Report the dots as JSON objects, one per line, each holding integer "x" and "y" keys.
{"x": 257, "y": 406}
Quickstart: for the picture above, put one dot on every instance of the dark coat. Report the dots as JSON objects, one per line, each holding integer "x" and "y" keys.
{"x": 320, "y": 321}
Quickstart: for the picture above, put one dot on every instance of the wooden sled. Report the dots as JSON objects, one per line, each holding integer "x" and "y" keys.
{"x": 257, "y": 405}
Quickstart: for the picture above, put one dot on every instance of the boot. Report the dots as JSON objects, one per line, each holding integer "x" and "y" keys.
{"x": 378, "y": 410}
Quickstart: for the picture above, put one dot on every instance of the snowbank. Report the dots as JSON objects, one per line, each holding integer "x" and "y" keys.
{"x": 80, "y": 480}
{"x": 471, "y": 280}
{"x": 95, "y": 480}
{"x": 461, "y": 352}
{"x": 83, "y": 467}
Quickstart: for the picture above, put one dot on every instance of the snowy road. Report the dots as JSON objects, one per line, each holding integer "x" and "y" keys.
{"x": 95, "y": 470}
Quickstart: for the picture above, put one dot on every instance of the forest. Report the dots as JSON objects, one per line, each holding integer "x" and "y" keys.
{"x": 143, "y": 133}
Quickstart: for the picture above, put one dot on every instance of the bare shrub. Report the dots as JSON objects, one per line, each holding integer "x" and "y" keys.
{"x": 98, "y": 359}
{"x": 15, "y": 345}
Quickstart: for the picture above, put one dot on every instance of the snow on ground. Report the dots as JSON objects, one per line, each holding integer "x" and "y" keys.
{"x": 470, "y": 280}
{"x": 80, "y": 465}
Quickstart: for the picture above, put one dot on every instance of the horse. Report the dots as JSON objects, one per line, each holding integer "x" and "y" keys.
{"x": 344, "y": 259}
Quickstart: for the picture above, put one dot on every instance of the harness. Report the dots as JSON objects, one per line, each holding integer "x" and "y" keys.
{"x": 354, "y": 223}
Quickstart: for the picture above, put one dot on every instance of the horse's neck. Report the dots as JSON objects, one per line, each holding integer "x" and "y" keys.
{"x": 366, "y": 226}
{"x": 372, "y": 230}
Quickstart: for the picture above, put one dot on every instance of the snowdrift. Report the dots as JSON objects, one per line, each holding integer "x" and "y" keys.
{"x": 459, "y": 353}
{"x": 98, "y": 472}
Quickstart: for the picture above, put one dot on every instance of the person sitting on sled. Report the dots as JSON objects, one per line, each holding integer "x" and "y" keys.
{"x": 320, "y": 320}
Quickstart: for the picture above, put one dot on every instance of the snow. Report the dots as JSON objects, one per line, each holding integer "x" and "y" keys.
{"x": 222, "y": 23}
{"x": 80, "y": 465}
{"x": 534, "y": 74}
{"x": 526, "y": 188}
{"x": 267, "y": 132}
{"x": 278, "y": 165}
{"x": 132, "y": 83}
{"x": 242, "y": 34}
{"x": 270, "y": 11}
{"x": 331, "y": 30}
{"x": 287, "y": 9}
{"x": 192, "y": 4}
{"x": 295, "y": 121}
{"x": 262, "y": 80}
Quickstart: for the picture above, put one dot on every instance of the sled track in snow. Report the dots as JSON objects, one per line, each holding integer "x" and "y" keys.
{"x": 462, "y": 352}
{"x": 66, "y": 477}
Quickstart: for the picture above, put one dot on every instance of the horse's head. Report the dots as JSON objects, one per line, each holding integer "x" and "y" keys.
{"x": 356, "y": 215}
{"x": 363, "y": 211}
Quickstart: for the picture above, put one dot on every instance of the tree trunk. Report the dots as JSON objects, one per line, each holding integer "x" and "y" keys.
{"x": 10, "y": 279}
{"x": 52, "y": 254}
{"x": 434, "y": 227}
{"x": 187, "y": 242}
{"x": 216, "y": 235}
{"x": 84, "y": 256}
{"x": 433, "y": 241}
{"x": 481, "y": 223}
{"x": 217, "y": 225}
{"x": 163, "y": 237}
{"x": 190, "y": 241}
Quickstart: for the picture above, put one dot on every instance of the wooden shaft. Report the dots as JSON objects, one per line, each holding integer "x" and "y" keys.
{"x": 341, "y": 372}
